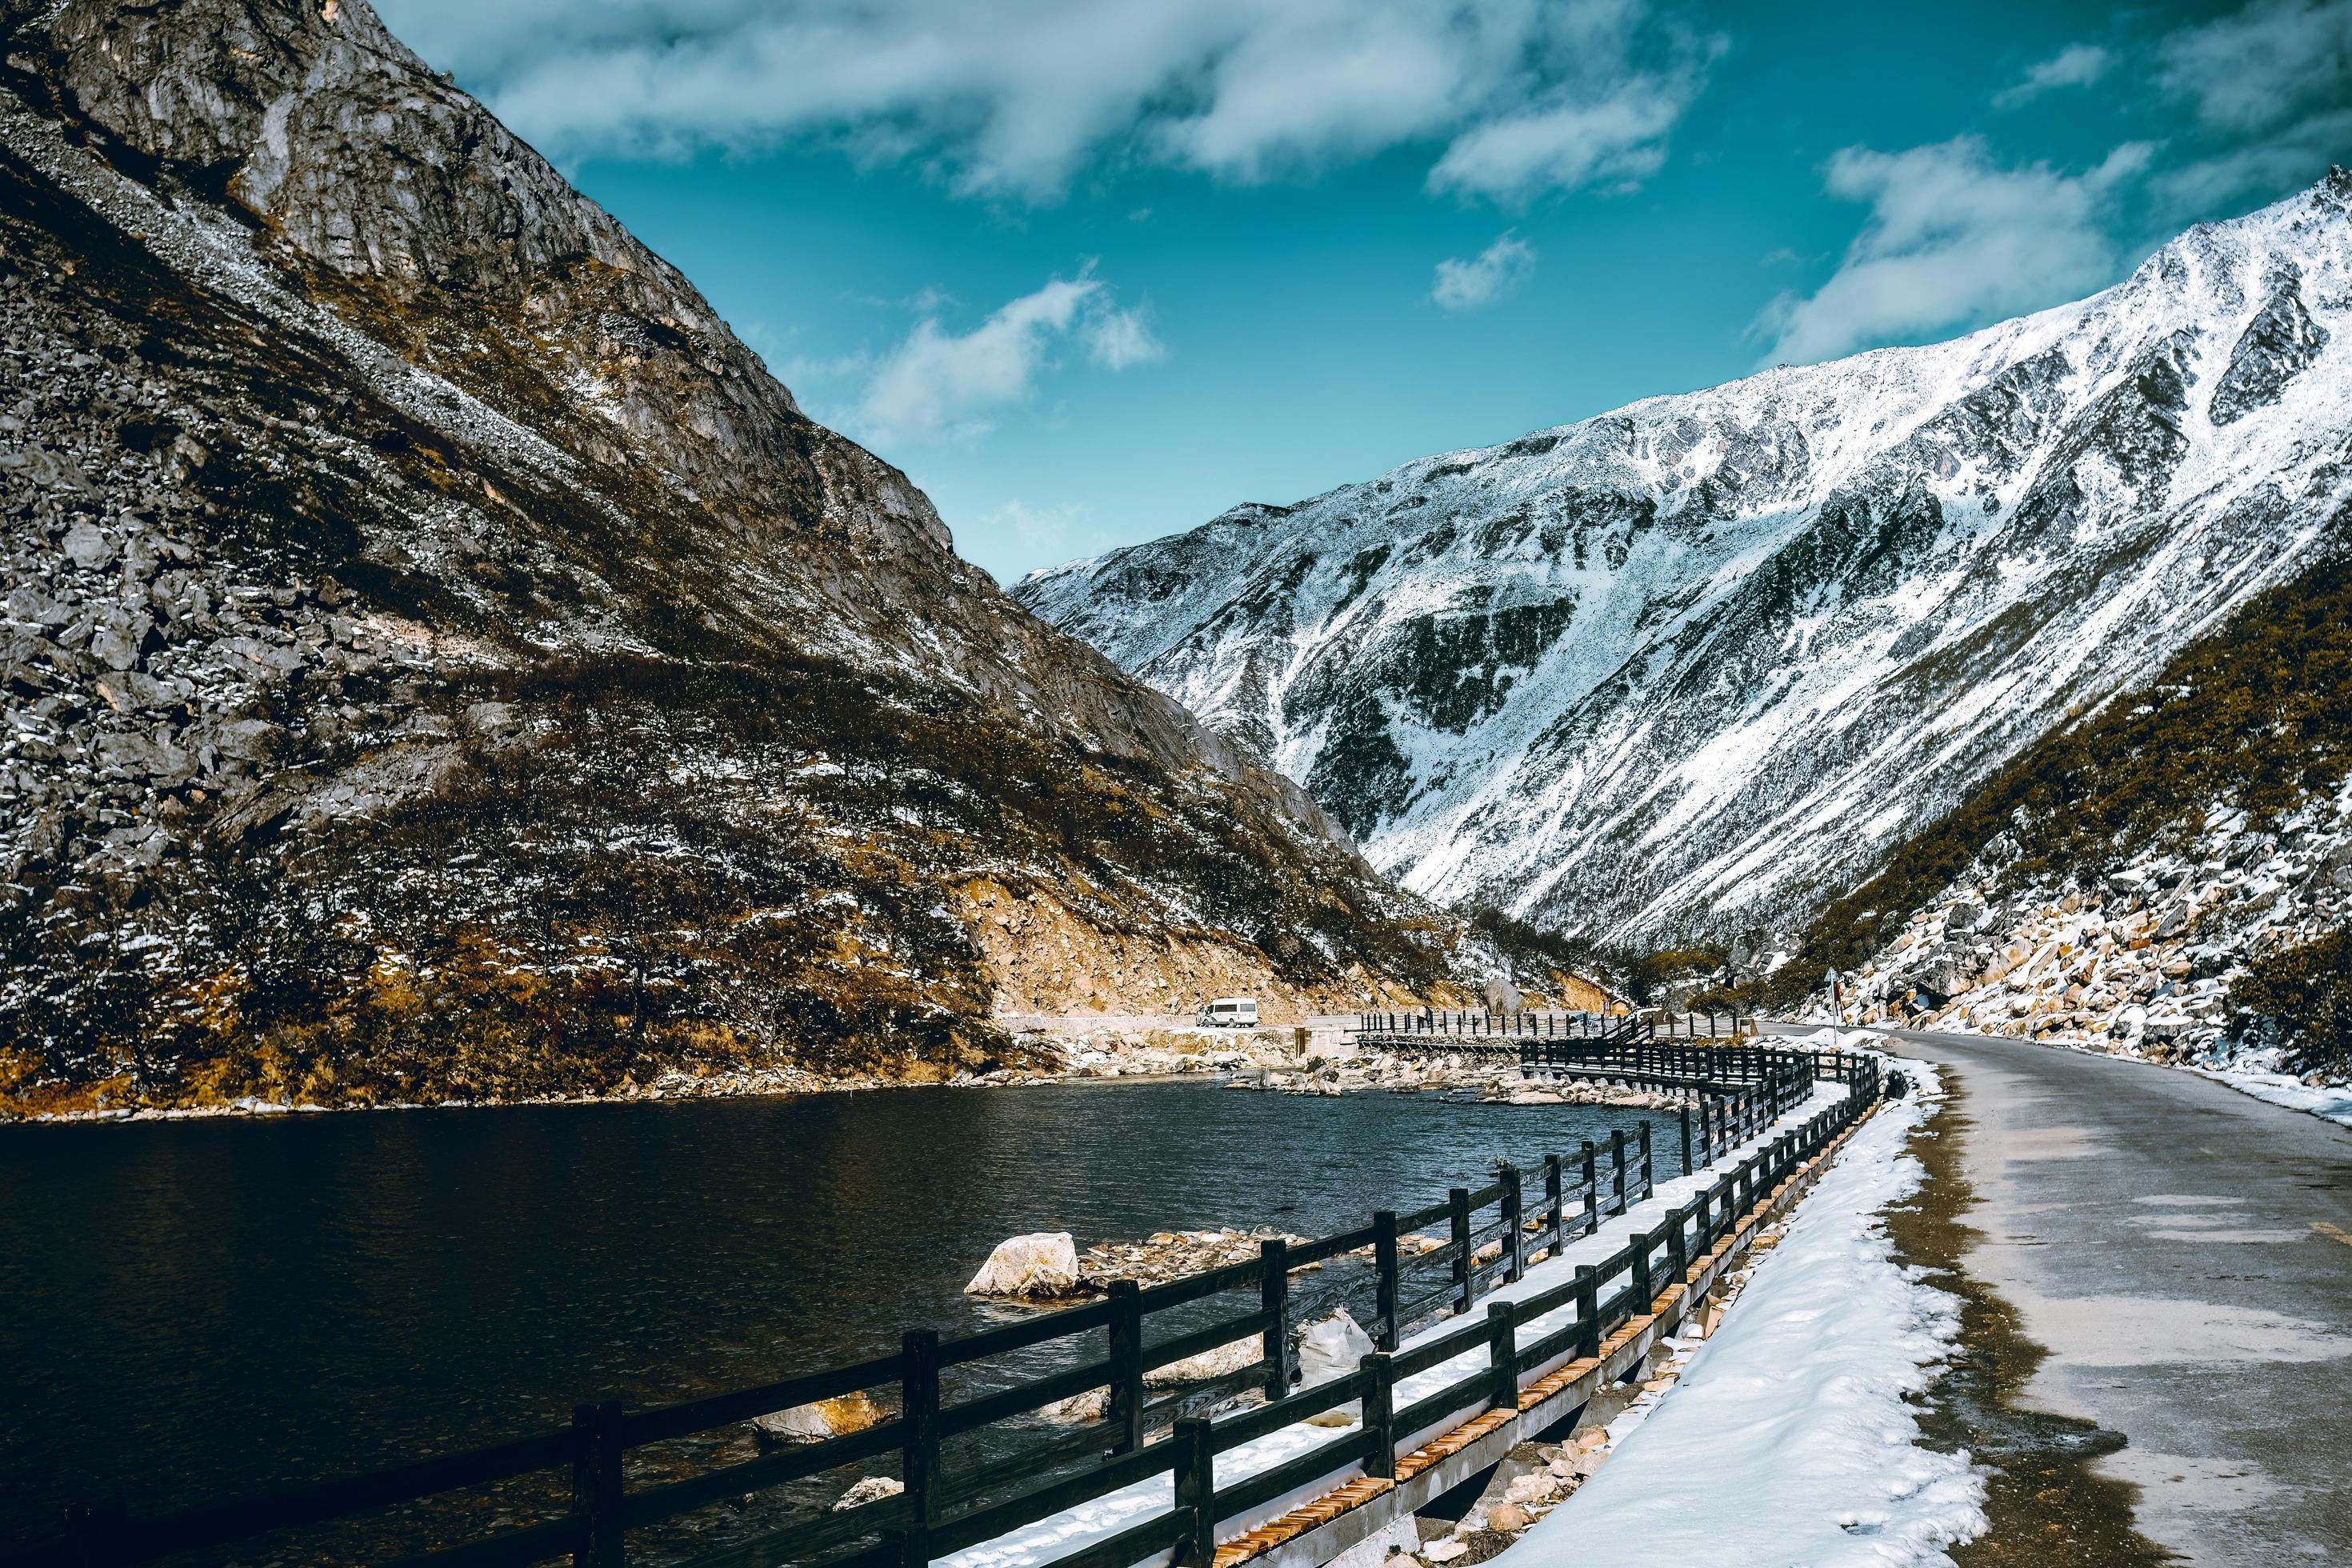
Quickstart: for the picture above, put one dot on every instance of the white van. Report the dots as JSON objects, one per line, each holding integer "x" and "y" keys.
{"x": 1229, "y": 1013}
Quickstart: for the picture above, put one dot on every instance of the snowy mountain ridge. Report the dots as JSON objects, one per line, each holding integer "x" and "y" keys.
{"x": 1678, "y": 668}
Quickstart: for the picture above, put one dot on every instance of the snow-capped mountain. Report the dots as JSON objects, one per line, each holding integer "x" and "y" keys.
{"x": 1682, "y": 668}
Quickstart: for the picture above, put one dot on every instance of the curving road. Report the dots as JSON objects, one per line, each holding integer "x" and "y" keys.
{"x": 2185, "y": 1253}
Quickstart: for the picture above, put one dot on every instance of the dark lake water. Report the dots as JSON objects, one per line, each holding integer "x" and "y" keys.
{"x": 199, "y": 1309}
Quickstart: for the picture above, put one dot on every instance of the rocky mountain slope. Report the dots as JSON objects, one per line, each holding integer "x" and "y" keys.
{"x": 2171, "y": 878}
{"x": 1690, "y": 669}
{"x": 439, "y": 660}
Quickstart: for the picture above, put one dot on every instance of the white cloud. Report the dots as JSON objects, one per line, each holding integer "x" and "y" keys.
{"x": 1494, "y": 272}
{"x": 2076, "y": 65}
{"x": 2295, "y": 155}
{"x": 1606, "y": 126}
{"x": 1953, "y": 238}
{"x": 2279, "y": 75}
{"x": 1015, "y": 98}
{"x": 2262, "y": 66}
{"x": 941, "y": 384}
{"x": 1620, "y": 140}
{"x": 1118, "y": 339}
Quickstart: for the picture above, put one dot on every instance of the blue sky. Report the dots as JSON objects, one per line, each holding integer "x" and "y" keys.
{"x": 1092, "y": 272}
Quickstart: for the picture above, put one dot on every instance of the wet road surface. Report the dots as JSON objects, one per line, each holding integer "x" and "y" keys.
{"x": 2185, "y": 1253}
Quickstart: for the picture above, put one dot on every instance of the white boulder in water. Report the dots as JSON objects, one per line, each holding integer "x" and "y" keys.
{"x": 872, "y": 1488}
{"x": 1079, "y": 1409}
{"x": 1037, "y": 1267}
{"x": 1214, "y": 1362}
{"x": 1329, "y": 1348}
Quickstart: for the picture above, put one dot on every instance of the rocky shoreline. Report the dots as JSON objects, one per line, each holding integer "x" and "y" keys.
{"x": 1264, "y": 1061}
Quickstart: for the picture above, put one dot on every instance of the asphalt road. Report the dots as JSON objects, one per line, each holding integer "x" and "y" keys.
{"x": 2185, "y": 1253}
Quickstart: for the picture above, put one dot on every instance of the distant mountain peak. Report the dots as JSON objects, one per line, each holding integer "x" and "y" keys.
{"x": 1682, "y": 666}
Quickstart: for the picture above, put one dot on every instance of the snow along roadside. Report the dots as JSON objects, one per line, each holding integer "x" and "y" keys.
{"x": 1788, "y": 1440}
{"x": 2248, "y": 1074}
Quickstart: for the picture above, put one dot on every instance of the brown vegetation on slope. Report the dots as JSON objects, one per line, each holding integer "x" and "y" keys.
{"x": 2257, "y": 716}
{"x": 443, "y": 662}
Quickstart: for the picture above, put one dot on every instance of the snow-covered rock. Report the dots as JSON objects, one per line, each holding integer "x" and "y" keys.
{"x": 1232, "y": 1357}
{"x": 1329, "y": 1348}
{"x": 1037, "y": 1267}
{"x": 1694, "y": 663}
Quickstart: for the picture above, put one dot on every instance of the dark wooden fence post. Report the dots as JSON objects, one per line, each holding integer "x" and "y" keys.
{"x": 1380, "y": 1417}
{"x": 1196, "y": 1488}
{"x": 1457, "y": 1202}
{"x": 1127, "y": 1364}
{"x": 1386, "y": 1266}
{"x": 909, "y": 1545}
{"x": 1682, "y": 1114}
{"x": 1591, "y": 1190}
{"x": 1617, "y": 1168}
{"x": 1503, "y": 1356}
{"x": 1515, "y": 1234}
{"x": 1588, "y": 1313}
{"x": 596, "y": 1485}
{"x": 1552, "y": 1204}
{"x": 1649, "y": 1183}
{"x": 1274, "y": 1300}
{"x": 919, "y": 1414}
{"x": 1678, "y": 1248}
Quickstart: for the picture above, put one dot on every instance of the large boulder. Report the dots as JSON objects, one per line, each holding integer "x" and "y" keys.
{"x": 1041, "y": 1265}
{"x": 871, "y": 1489}
{"x": 1946, "y": 974}
{"x": 814, "y": 1423}
{"x": 1232, "y": 1357}
{"x": 1329, "y": 1348}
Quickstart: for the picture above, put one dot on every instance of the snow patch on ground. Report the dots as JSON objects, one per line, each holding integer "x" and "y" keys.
{"x": 2332, "y": 1101}
{"x": 1790, "y": 1439}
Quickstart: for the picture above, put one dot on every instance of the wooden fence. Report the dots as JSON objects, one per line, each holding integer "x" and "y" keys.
{"x": 954, "y": 1497}
{"x": 1552, "y": 1025}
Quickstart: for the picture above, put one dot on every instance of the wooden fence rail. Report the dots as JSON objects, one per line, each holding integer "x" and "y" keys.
{"x": 1490, "y": 1236}
{"x": 1557, "y": 1024}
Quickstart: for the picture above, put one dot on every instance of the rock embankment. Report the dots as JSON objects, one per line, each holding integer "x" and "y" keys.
{"x": 1491, "y": 1080}
{"x": 2138, "y": 960}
